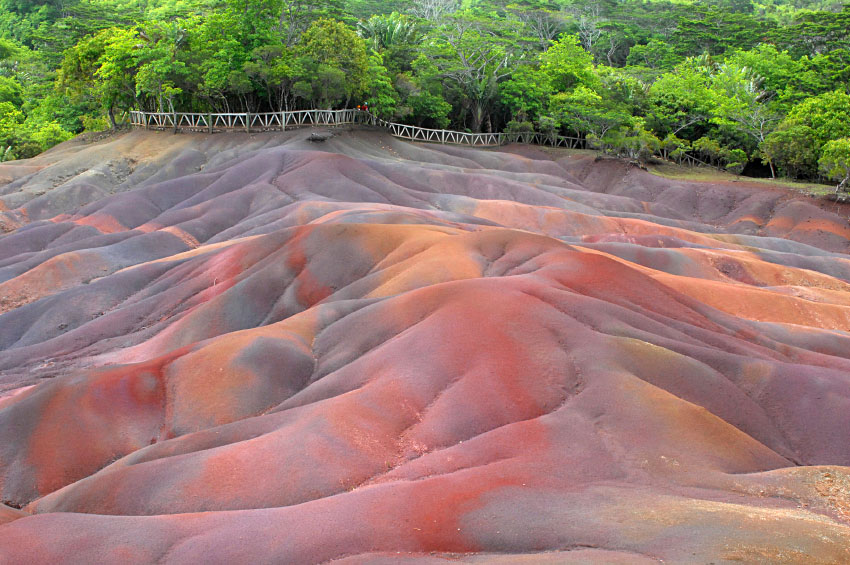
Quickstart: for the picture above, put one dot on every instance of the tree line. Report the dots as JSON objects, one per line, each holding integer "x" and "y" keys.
{"x": 760, "y": 88}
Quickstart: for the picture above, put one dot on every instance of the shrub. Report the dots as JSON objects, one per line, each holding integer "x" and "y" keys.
{"x": 835, "y": 162}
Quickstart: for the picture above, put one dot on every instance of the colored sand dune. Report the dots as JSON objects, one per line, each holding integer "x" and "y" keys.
{"x": 240, "y": 349}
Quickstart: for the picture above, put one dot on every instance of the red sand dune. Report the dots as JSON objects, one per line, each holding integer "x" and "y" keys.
{"x": 239, "y": 348}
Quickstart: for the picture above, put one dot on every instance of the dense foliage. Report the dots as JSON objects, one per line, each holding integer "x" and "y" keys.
{"x": 762, "y": 87}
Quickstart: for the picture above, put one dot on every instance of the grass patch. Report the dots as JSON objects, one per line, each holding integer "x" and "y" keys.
{"x": 704, "y": 174}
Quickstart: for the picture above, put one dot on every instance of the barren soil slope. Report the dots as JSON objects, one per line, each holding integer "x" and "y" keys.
{"x": 249, "y": 349}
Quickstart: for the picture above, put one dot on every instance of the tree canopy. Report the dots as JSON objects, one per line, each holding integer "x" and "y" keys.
{"x": 759, "y": 86}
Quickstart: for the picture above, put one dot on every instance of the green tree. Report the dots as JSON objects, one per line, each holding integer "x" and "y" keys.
{"x": 566, "y": 65}
{"x": 587, "y": 113}
{"x": 541, "y": 20}
{"x": 783, "y": 80}
{"x": 222, "y": 54}
{"x": 828, "y": 115}
{"x": 473, "y": 58}
{"x": 430, "y": 110}
{"x": 742, "y": 104}
{"x": 336, "y": 57}
{"x": 793, "y": 147}
{"x": 382, "y": 97}
{"x": 10, "y": 121}
{"x": 835, "y": 162}
{"x": 526, "y": 91}
{"x": 671, "y": 147}
{"x": 680, "y": 102}
{"x": 11, "y": 91}
{"x": 633, "y": 141}
{"x": 422, "y": 93}
{"x": 290, "y": 18}
{"x": 101, "y": 68}
{"x": 712, "y": 30}
{"x": 49, "y": 134}
{"x": 825, "y": 72}
{"x": 815, "y": 32}
{"x": 655, "y": 54}
{"x": 274, "y": 68}
{"x": 395, "y": 36}
{"x": 386, "y": 31}
{"x": 434, "y": 10}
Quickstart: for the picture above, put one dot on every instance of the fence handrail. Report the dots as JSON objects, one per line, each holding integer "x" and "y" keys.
{"x": 271, "y": 121}
{"x": 265, "y": 121}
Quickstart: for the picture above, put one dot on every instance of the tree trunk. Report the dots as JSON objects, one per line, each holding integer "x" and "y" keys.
{"x": 477, "y": 117}
{"x": 111, "y": 113}
{"x": 772, "y": 172}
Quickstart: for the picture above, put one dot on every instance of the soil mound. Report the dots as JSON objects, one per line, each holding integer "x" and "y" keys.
{"x": 256, "y": 348}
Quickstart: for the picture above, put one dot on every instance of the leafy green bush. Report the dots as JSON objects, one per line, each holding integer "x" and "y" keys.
{"x": 793, "y": 148}
{"x": 429, "y": 110}
{"x": 515, "y": 126}
{"x": 835, "y": 162}
{"x": 94, "y": 123}
{"x": 50, "y": 134}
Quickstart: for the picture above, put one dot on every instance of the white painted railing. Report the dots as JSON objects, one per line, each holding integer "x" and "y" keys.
{"x": 279, "y": 121}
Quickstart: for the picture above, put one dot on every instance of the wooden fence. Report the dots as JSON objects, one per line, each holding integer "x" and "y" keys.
{"x": 279, "y": 121}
